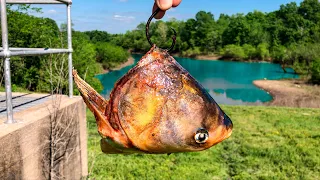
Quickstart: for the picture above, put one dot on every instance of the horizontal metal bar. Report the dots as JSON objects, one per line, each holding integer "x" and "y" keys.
{"x": 66, "y": 1}
{"x": 31, "y": 49}
{"x": 38, "y": 1}
{"x": 36, "y": 52}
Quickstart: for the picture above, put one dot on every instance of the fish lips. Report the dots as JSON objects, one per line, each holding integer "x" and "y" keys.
{"x": 228, "y": 123}
{"x": 222, "y": 131}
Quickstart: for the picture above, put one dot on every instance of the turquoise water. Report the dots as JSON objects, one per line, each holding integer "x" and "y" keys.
{"x": 228, "y": 82}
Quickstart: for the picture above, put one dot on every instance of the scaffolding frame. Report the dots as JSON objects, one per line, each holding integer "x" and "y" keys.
{"x": 7, "y": 52}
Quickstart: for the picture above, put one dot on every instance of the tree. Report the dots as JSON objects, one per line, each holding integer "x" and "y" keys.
{"x": 109, "y": 56}
{"x": 84, "y": 59}
{"x": 257, "y": 24}
{"x": 263, "y": 51}
{"x": 221, "y": 25}
{"x": 98, "y": 36}
{"x": 204, "y": 30}
{"x": 293, "y": 24}
{"x": 249, "y": 50}
{"x": 280, "y": 54}
{"x": 310, "y": 10}
{"x": 237, "y": 31}
{"x": 233, "y": 51}
{"x": 315, "y": 72}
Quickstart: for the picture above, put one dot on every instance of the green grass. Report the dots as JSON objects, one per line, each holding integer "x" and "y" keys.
{"x": 15, "y": 88}
{"x": 267, "y": 143}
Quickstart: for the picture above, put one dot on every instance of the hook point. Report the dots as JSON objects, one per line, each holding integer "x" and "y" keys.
{"x": 147, "y": 30}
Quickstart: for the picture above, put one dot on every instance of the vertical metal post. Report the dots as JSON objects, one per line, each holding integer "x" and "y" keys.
{"x": 69, "y": 27}
{"x": 7, "y": 73}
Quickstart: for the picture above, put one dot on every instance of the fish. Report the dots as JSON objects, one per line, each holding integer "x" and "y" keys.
{"x": 157, "y": 107}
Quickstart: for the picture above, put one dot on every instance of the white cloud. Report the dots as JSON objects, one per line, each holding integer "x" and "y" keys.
{"x": 52, "y": 11}
{"x": 123, "y": 18}
{"x": 117, "y": 16}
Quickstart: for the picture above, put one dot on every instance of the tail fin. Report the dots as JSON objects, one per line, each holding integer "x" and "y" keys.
{"x": 95, "y": 102}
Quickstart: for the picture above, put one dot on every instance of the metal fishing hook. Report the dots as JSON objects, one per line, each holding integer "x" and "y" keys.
{"x": 147, "y": 30}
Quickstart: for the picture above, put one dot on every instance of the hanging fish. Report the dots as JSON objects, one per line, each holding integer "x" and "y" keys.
{"x": 157, "y": 107}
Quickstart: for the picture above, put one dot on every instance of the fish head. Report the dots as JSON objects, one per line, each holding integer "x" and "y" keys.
{"x": 161, "y": 108}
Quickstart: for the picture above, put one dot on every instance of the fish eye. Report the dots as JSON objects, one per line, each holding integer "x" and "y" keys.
{"x": 201, "y": 136}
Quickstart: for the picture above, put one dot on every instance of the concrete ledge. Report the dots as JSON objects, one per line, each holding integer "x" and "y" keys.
{"x": 50, "y": 140}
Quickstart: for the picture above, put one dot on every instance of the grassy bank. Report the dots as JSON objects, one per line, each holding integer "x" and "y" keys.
{"x": 267, "y": 142}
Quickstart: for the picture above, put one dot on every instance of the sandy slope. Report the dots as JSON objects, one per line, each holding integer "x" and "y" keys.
{"x": 292, "y": 93}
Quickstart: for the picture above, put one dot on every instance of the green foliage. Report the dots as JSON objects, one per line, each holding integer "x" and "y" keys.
{"x": 98, "y": 36}
{"x": 15, "y": 88}
{"x": 237, "y": 31}
{"x": 47, "y": 73}
{"x": 310, "y": 10}
{"x": 263, "y": 51}
{"x": 55, "y": 75}
{"x": 233, "y": 51}
{"x": 29, "y": 31}
{"x": 302, "y": 57}
{"x": 315, "y": 72}
{"x": 300, "y": 67}
{"x": 84, "y": 59}
{"x": 110, "y": 55}
{"x": 280, "y": 54}
{"x": 249, "y": 50}
{"x": 267, "y": 143}
{"x": 192, "y": 52}
{"x": 308, "y": 52}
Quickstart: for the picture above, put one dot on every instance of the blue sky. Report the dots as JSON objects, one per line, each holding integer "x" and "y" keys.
{"x": 119, "y": 16}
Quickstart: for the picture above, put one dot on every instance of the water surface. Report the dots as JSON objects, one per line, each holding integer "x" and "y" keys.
{"x": 228, "y": 82}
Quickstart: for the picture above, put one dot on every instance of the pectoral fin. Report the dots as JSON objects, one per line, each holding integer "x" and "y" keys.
{"x": 108, "y": 146}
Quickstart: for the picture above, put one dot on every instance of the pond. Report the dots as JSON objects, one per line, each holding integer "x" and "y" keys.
{"x": 228, "y": 82}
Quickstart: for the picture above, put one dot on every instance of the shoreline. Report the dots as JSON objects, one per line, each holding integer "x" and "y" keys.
{"x": 216, "y": 57}
{"x": 290, "y": 93}
{"x": 129, "y": 62}
{"x": 213, "y": 57}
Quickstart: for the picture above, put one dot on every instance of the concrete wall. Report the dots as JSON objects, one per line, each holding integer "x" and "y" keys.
{"x": 49, "y": 142}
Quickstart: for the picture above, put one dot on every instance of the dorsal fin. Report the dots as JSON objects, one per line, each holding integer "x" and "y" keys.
{"x": 95, "y": 102}
{"x": 89, "y": 93}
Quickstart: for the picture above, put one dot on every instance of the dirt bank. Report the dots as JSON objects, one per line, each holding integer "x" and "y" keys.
{"x": 208, "y": 57}
{"x": 291, "y": 93}
{"x": 215, "y": 57}
{"x": 129, "y": 62}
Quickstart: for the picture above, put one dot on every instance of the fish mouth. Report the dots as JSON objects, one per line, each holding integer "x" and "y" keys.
{"x": 228, "y": 125}
{"x": 222, "y": 132}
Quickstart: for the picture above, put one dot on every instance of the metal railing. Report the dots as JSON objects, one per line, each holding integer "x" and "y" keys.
{"x": 7, "y": 52}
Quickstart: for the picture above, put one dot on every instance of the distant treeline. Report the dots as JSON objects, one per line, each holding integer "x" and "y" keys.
{"x": 290, "y": 36}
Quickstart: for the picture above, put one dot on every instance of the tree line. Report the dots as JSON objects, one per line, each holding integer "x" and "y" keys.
{"x": 289, "y": 35}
